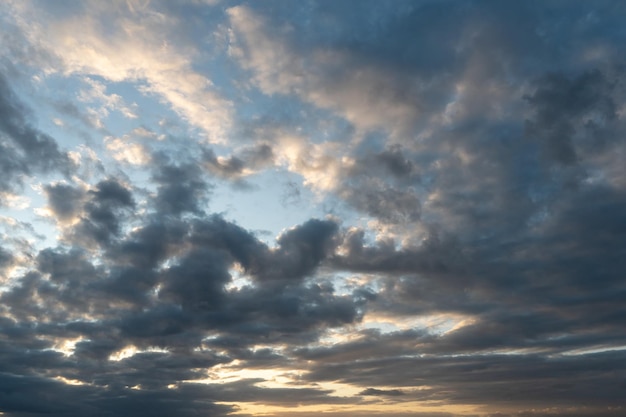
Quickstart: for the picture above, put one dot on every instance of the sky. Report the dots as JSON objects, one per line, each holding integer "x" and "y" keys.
{"x": 302, "y": 208}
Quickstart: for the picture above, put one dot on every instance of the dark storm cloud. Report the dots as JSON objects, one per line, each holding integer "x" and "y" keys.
{"x": 69, "y": 268}
{"x": 25, "y": 149}
{"x": 533, "y": 256}
{"x": 553, "y": 288}
{"x": 300, "y": 249}
{"x": 275, "y": 315}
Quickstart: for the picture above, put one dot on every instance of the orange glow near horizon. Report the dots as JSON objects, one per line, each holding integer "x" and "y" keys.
{"x": 383, "y": 408}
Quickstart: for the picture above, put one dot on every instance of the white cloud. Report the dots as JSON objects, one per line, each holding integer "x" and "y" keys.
{"x": 96, "y": 93}
{"x": 127, "y": 152}
{"x": 132, "y": 44}
{"x": 143, "y": 132}
{"x": 15, "y": 201}
{"x": 321, "y": 165}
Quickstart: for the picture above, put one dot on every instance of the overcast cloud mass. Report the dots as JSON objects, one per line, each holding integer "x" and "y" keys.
{"x": 288, "y": 208}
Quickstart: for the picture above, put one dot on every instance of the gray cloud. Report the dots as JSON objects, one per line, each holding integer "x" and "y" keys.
{"x": 374, "y": 391}
{"x": 181, "y": 188}
{"x": 103, "y": 214}
{"x": 6, "y": 258}
{"x": 25, "y": 149}
{"x": 64, "y": 200}
{"x": 565, "y": 107}
{"x": 476, "y": 152}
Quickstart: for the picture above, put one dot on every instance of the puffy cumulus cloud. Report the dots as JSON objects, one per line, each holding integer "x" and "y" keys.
{"x": 89, "y": 216}
{"x": 158, "y": 294}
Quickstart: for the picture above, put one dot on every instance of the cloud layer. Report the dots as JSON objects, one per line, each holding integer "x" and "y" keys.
{"x": 457, "y": 174}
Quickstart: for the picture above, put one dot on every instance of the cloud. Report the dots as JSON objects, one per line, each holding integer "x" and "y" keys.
{"x": 68, "y": 108}
{"x": 461, "y": 251}
{"x": 34, "y": 397}
{"x": 65, "y": 201}
{"x": 6, "y": 259}
{"x": 96, "y": 93}
{"x": 132, "y": 302}
{"x": 374, "y": 391}
{"x": 566, "y": 107}
{"x": 102, "y": 212}
{"x": 25, "y": 149}
{"x": 129, "y": 47}
{"x": 249, "y": 161}
{"x": 181, "y": 187}
{"x": 127, "y": 152}
{"x": 278, "y": 68}
{"x": 301, "y": 249}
